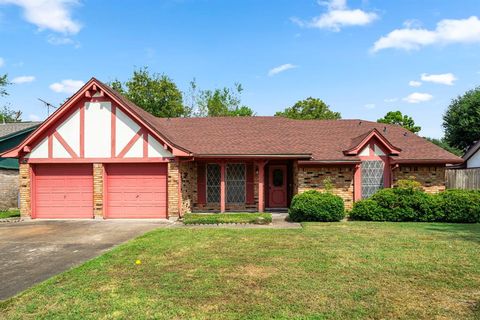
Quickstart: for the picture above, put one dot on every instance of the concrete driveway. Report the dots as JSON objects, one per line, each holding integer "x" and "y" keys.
{"x": 32, "y": 251}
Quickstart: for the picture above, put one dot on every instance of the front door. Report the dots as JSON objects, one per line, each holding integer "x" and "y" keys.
{"x": 277, "y": 186}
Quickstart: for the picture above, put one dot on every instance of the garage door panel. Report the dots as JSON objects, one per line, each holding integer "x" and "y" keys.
{"x": 63, "y": 191}
{"x": 137, "y": 191}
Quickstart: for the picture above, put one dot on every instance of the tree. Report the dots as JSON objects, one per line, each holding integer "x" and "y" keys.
{"x": 396, "y": 117}
{"x": 3, "y": 83}
{"x": 310, "y": 108}
{"x": 6, "y": 113}
{"x": 225, "y": 102}
{"x": 443, "y": 144}
{"x": 155, "y": 93}
{"x": 461, "y": 121}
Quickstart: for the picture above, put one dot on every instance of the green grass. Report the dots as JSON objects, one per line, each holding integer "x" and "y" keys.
{"x": 216, "y": 218}
{"x": 346, "y": 270}
{"x": 9, "y": 213}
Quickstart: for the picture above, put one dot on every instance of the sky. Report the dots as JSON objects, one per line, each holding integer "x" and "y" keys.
{"x": 362, "y": 57}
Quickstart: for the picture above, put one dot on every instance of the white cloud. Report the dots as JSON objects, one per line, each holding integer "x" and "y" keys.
{"x": 2, "y": 62}
{"x": 54, "y": 15}
{"x": 370, "y": 106}
{"x": 414, "y": 83}
{"x": 281, "y": 68}
{"x": 67, "y": 86}
{"x": 388, "y": 100}
{"x": 34, "y": 117}
{"x": 445, "y": 78}
{"x": 418, "y": 97}
{"x": 23, "y": 79}
{"x": 447, "y": 31}
{"x": 338, "y": 15}
{"x": 60, "y": 41}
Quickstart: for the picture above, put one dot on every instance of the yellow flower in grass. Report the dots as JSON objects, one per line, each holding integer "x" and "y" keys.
{"x": 137, "y": 262}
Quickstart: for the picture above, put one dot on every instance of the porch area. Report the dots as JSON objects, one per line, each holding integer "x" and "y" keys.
{"x": 235, "y": 185}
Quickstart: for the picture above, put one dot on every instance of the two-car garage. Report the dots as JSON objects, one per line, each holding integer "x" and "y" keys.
{"x": 66, "y": 191}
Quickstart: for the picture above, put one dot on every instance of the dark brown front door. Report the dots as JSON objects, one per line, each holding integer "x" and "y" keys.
{"x": 277, "y": 186}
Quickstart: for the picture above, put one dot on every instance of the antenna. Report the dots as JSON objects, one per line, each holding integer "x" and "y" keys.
{"x": 48, "y": 105}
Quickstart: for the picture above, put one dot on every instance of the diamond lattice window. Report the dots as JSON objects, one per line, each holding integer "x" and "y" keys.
{"x": 372, "y": 177}
{"x": 213, "y": 183}
{"x": 235, "y": 179}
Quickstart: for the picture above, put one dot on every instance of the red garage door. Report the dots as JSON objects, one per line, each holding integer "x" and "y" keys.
{"x": 63, "y": 191}
{"x": 136, "y": 191}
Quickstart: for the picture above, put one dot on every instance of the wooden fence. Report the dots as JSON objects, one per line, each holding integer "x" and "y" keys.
{"x": 463, "y": 178}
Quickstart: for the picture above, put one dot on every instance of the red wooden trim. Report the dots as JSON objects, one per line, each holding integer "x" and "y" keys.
{"x": 201, "y": 183}
{"x": 113, "y": 131}
{"x": 104, "y": 191}
{"x": 179, "y": 191}
{"x": 82, "y": 131}
{"x": 130, "y": 143}
{"x": 222, "y": 187}
{"x": 50, "y": 146}
{"x": 261, "y": 186}
{"x": 98, "y": 160}
{"x": 357, "y": 183}
{"x": 32, "y": 193}
{"x": 145, "y": 144}
{"x": 373, "y": 134}
{"x": 80, "y": 96}
{"x": 65, "y": 144}
{"x": 250, "y": 177}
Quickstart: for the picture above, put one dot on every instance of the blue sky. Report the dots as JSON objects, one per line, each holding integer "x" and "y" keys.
{"x": 363, "y": 58}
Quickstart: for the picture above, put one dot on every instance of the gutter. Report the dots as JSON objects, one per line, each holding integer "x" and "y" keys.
{"x": 292, "y": 156}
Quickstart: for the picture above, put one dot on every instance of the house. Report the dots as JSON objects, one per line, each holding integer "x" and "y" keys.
{"x": 472, "y": 156}
{"x": 11, "y": 134}
{"x": 99, "y": 155}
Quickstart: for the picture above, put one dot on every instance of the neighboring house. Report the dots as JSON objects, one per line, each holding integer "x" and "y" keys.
{"x": 11, "y": 134}
{"x": 472, "y": 156}
{"x": 101, "y": 155}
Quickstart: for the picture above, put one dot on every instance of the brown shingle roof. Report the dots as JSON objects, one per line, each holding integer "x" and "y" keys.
{"x": 323, "y": 139}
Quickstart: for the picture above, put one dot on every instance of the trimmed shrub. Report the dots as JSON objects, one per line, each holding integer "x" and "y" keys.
{"x": 316, "y": 206}
{"x": 367, "y": 210}
{"x": 406, "y": 204}
{"x": 459, "y": 206}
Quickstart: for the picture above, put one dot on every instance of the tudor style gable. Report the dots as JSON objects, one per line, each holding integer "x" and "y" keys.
{"x": 94, "y": 126}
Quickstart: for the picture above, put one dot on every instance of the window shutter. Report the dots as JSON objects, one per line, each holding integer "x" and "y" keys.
{"x": 250, "y": 183}
{"x": 201, "y": 183}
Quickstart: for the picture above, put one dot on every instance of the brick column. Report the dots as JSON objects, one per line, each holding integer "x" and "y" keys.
{"x": 173, "y": 197}
{"x": 24, "y": 192}
{"x": 98, "y": 190}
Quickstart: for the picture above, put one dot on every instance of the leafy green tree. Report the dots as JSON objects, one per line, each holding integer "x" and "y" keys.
{"x": 225, "y": 102}
{"x": 443, "y": 144}
{"x": 3, "y": 83}
{"x": 310, "y": 108}
{"x": 153, "y": 92}
{"x": 6, "y": 113}
{"x": 396, "y": 117}
{"x": 461, "y": 121}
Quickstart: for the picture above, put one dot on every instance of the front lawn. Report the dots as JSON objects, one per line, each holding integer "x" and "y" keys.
{"x": 12, "y": 213}
{"x": 216, "y": 218}
{"x": 345, "y": 270}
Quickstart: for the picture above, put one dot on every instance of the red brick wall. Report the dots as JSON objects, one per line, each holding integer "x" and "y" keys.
{"x": 432, "y": 177}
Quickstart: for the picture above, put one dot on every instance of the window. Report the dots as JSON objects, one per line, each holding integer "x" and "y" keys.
{"x": 277, "y": 177}
{"x": 235, "y": 179}
{"x": 213, "y": 182}
{"x": 372, "y": 177}
{"x": 234, "y": 182}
